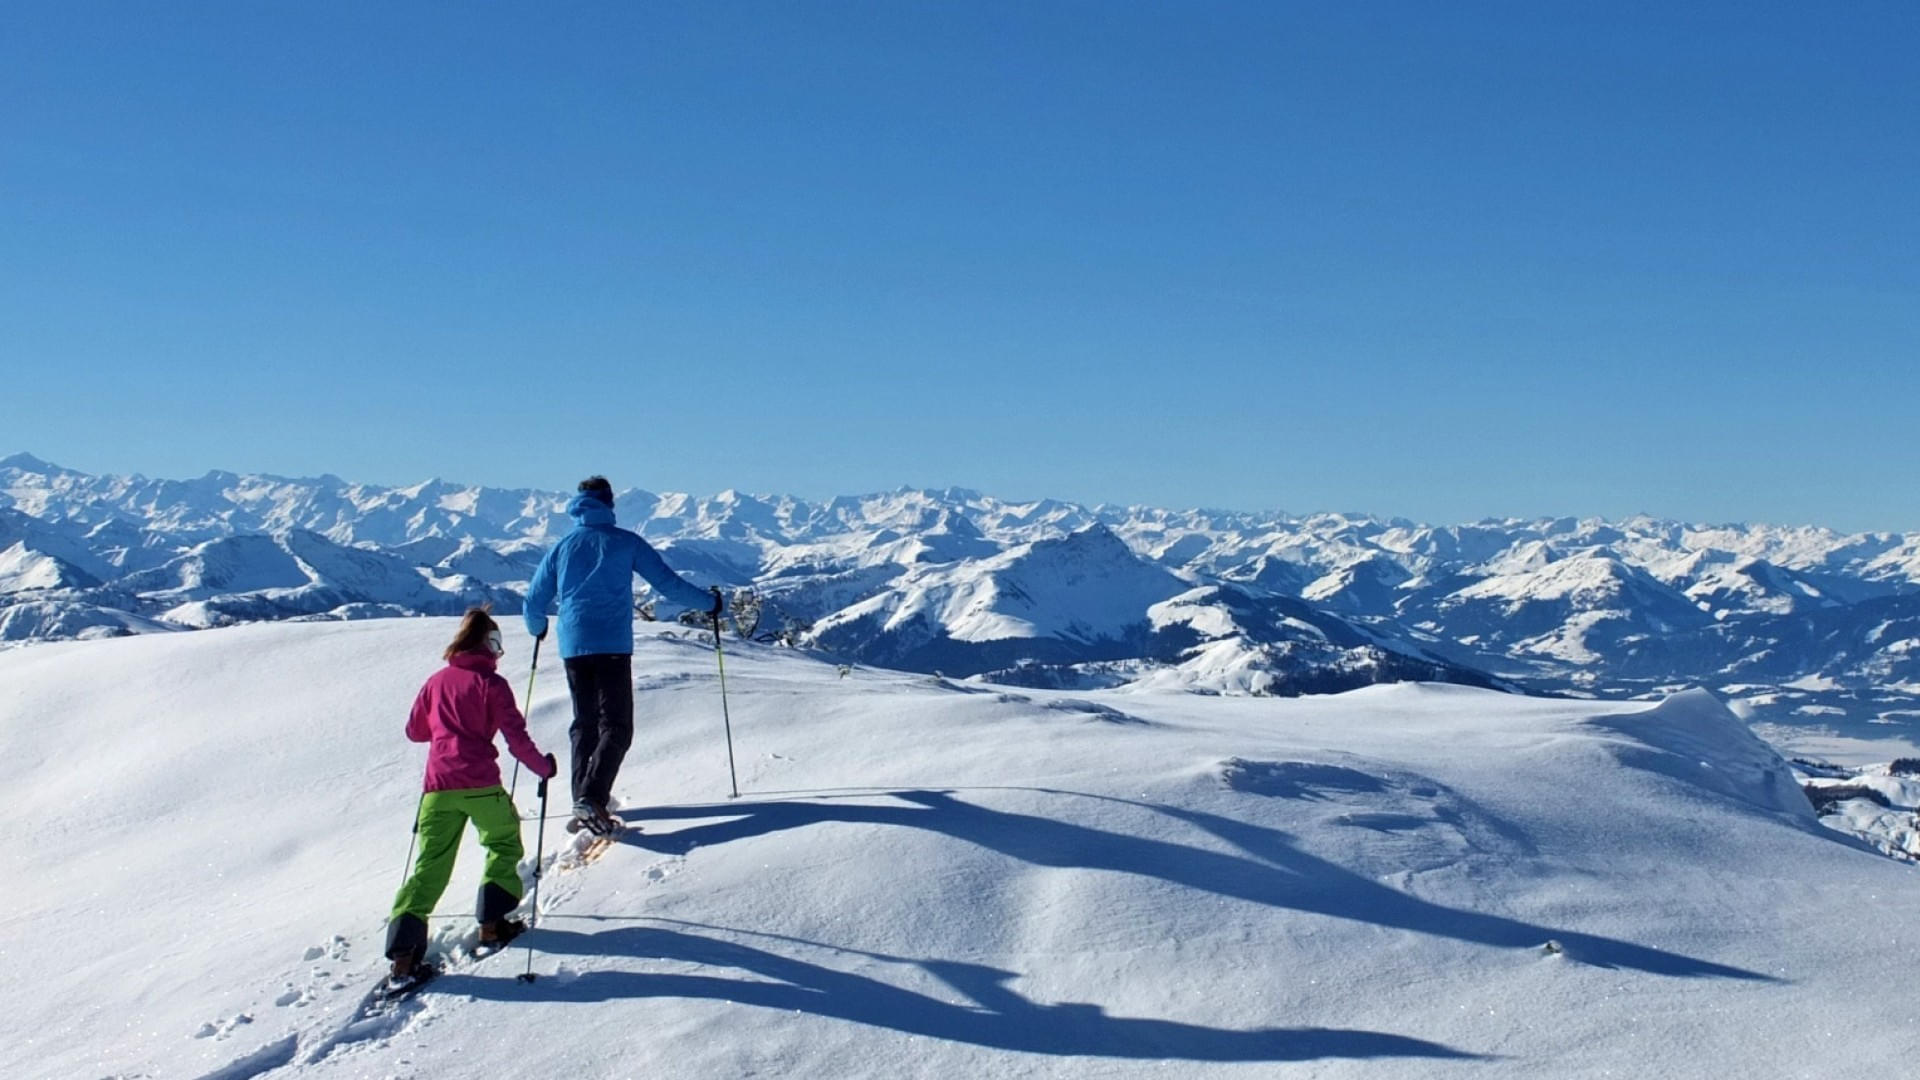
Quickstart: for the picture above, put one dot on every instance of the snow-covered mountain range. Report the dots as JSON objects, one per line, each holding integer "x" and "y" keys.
{"x": 1795, "y": 623}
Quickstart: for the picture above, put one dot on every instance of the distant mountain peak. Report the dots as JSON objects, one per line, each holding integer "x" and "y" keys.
{"x": 957, "y": 580}
{"x": 27, "y": 463}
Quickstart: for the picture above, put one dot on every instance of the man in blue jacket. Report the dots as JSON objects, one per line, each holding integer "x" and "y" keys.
{"x": 591, "y": 570}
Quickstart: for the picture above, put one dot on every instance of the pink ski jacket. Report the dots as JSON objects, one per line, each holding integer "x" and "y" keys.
{"x": 457, "y": 714}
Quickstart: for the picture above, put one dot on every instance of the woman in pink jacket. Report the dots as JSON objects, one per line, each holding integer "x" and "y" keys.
{"x": 457, "y": 713}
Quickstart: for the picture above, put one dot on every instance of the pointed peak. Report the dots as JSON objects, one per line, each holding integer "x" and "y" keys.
{"x": 955, "y": 523}
{"x": 26, "y": 462}
{"x": 1094, "y": 537}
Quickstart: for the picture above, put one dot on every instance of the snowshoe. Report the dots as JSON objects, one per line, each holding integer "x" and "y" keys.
{"x": 404, "y": 981}
{"x": 588, "y": 824}
{"x": 586, "y": 847}
{"x": 593, "y": 819}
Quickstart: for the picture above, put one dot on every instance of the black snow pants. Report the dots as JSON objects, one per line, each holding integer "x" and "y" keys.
{"x": 602, "y": 688}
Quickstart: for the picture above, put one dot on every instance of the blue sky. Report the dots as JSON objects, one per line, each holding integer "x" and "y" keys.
{"x": 1432, "y": 260}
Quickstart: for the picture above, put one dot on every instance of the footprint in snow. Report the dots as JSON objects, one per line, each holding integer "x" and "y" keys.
{"x": 664, "y": 869}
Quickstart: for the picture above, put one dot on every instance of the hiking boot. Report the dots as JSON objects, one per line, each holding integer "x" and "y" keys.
{"x": 497, "y": 932}
{"x": 407, "y": 966}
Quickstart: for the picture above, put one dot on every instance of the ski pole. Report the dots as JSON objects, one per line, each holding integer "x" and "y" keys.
{"x": 407, "y": 870}
{"x": 720, "y": 657}
{"x": 539, "y": 856}
{"x": 531, "y": 671}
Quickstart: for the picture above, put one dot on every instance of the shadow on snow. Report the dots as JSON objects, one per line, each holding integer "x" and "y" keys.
{"x": 1267, "y": 869}
{"x": 1270, "y": 869}
{"x": 998, "y": 1017}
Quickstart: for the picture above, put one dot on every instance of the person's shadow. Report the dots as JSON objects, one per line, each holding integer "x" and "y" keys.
{"x": 1266, "y": 868}
{"x": 1270, "y": 869}
{"x": 997, "y": 1016}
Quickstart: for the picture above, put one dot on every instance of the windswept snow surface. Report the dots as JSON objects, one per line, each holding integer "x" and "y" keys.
{"x": 924, "y": 878}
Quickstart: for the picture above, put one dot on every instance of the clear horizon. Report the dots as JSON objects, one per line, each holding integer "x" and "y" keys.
{"x": 1445, "y": 264}
{"x": 1014, "y": 499}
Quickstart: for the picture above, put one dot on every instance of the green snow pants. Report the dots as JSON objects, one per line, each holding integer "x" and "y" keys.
{"x": 443, "y": 818}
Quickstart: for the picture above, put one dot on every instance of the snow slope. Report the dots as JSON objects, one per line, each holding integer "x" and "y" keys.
{"x": 23, "y": 569}
{"x": 34, "y": 555}
{"x": 1085, "y": 590}
{"x": 929, "y": 879}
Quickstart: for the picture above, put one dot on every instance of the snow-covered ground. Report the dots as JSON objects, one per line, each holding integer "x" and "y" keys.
{"x": 927, "y": 878}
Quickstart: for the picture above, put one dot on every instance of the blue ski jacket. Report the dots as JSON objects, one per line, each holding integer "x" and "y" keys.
{"x": 591, "y": 571}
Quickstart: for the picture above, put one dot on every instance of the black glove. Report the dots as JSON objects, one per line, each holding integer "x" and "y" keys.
{"x": 553, "y": 767}
{"x": 719, "y": 603}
